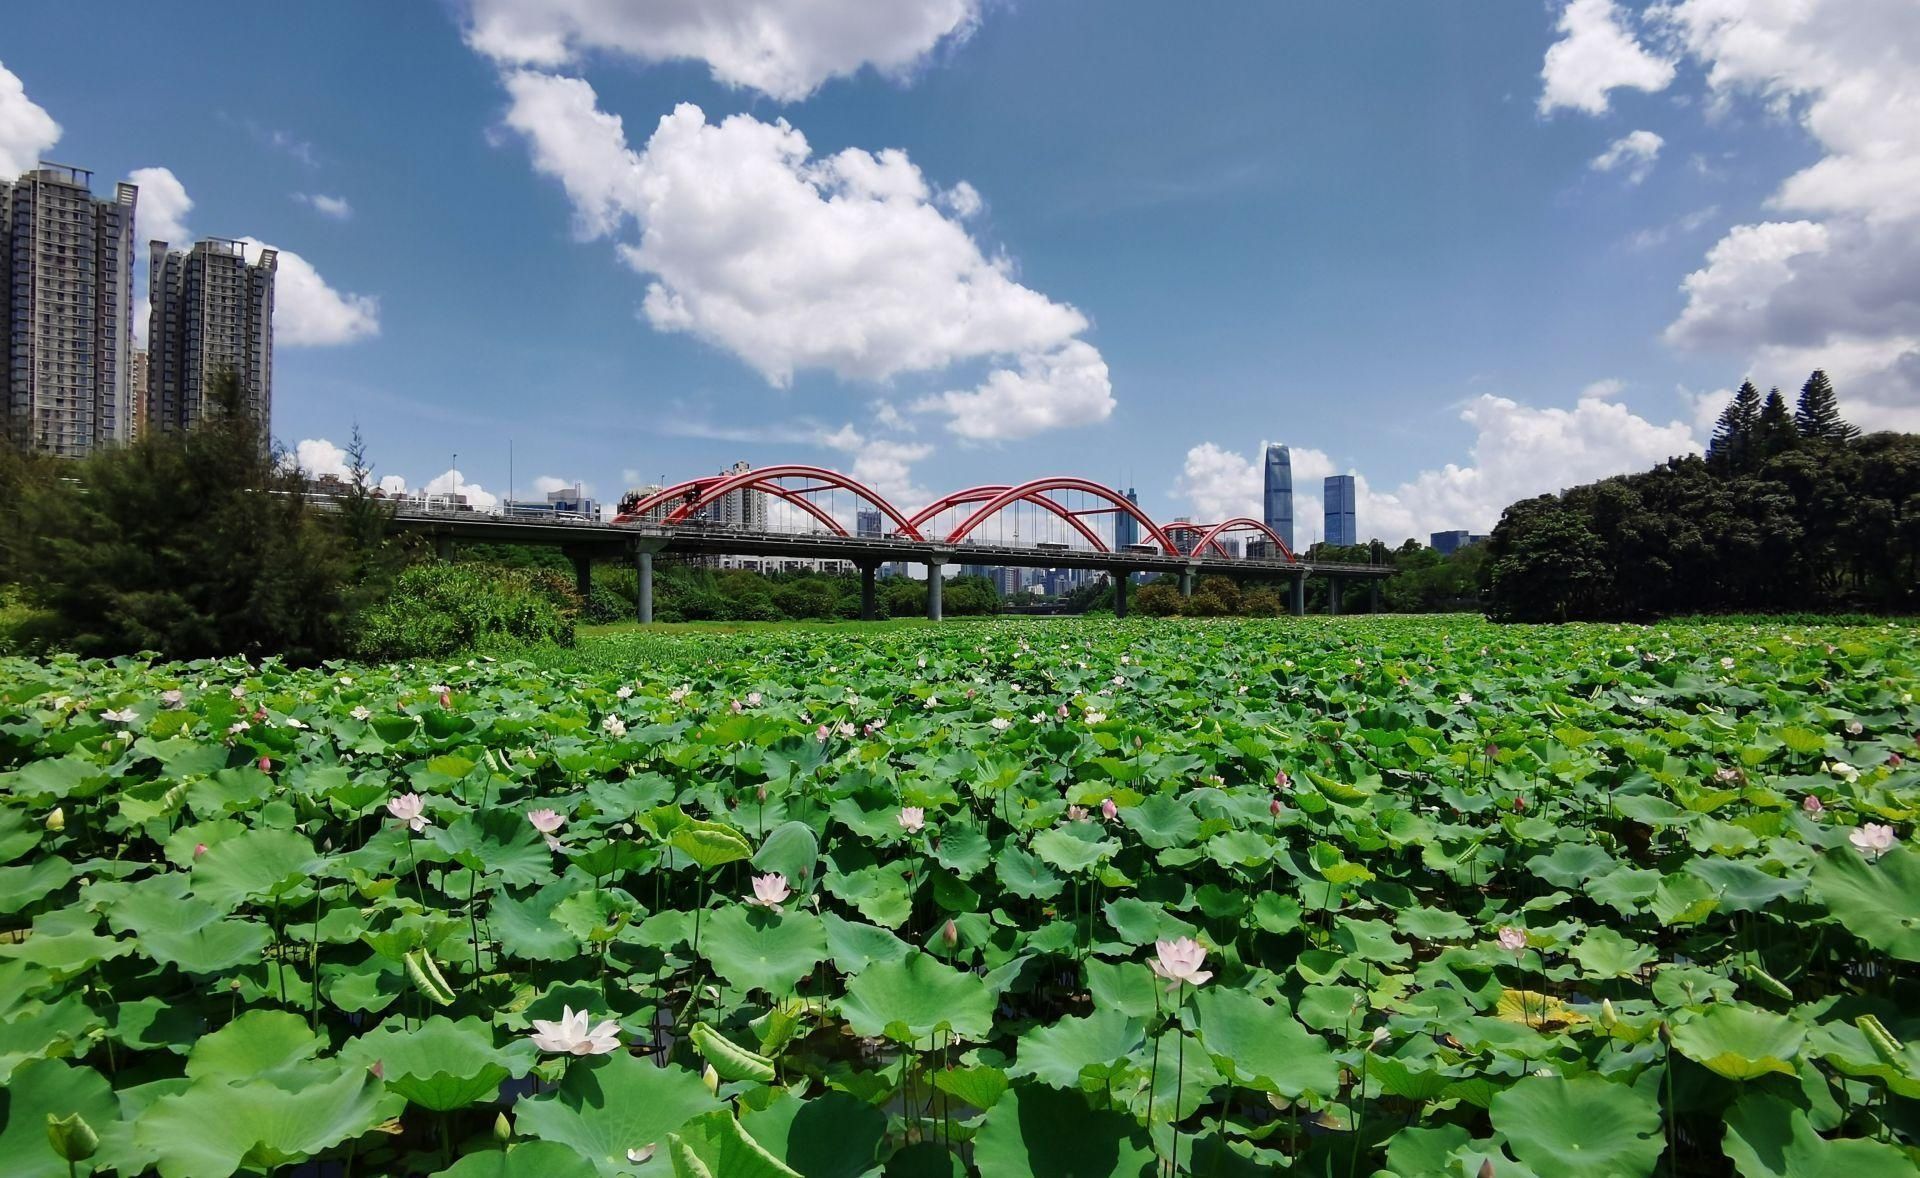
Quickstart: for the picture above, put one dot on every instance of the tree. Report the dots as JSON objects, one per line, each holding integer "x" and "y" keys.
{"x": 193, "y": 545}
{"x": 1548, "y": 565}
{"x": 1817, "y": 416}
{"x": 1733, "y": 434}
{"x": 1774, "y": 433}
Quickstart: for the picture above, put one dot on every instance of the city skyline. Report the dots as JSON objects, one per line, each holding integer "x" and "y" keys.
{"x": 1128, "y": 318}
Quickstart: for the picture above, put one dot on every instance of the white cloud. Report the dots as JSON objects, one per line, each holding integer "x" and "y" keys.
{"x": 1632, "y": 154}
{"x": 1604, "y": 389}
{"x": 884, "y": 464}
{"x": 845, "y": 263}
{"x": 1838, "y": 285}
{"x": 336, "y": 207}
{"x": 783, "y": 49}
{"x": 452, "y": 481}
{"x": 27, "y": 131}
{"x": 162, "y": 212}
{"x": 1519, "y": 451}
{"x": 1595, "y": 55}
{"x": 393, "y": 484}
{"x": 1066, "y": 387}
{"x": 309, "y": 313}
{"x": 318, "y": 456}
{"x": 546, "y": 484}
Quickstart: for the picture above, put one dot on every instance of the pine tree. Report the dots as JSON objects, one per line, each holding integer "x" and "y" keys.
{"x": 1732, "y": 445}
{"x": 1775, "y": 432}
{"x": 1818, "y": 414}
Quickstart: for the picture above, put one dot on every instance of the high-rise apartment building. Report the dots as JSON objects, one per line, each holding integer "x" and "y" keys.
{"x": 867, "y": 522}
{"x": 1278, "y": 500}
{"x": 66, "y": 335}
{"x": 1342, "y": 525}
{"x": 137, "y": 392}
{"x": 742, "y": 510}
{"x": 212, "y": 313}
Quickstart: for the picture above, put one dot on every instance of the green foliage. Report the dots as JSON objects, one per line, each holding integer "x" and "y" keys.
{"x": 191, "y": 545}
{"x": 1550, "y": 898}
{"x": 1817, "y": 416}
{"x": 1823, "y": 526}
{"x": 437, "y": 609}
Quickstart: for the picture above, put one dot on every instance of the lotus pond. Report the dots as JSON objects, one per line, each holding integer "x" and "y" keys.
{"x": 1332, "y": 897}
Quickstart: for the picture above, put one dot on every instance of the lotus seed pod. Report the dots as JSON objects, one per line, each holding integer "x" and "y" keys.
{"x": 73, "y": 1140}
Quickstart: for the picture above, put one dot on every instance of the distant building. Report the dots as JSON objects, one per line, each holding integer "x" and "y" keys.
{"x": 212, "y": 312}
{"x": 1342, "y": 525}
{"x": 868, "y": 522}
{"x": 138, "y": 392}
{"x": 567, "y": 502}
{"x": 743, "y": 510}
{"x": 1182, "y": 534}
{"x": 66, "y": 304}
{"x": 1257, "y": 550}
{"x": 1278, "y": 501}
{"x": 1126, "y": 529}
{"x": 1448, "y": 543}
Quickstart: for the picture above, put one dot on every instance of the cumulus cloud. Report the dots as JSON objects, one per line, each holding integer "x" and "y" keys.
{"x": 1835, "y": 282}
{"x": 452, "y": 481}
{"x": 1596, "y": 54}
{"x": 782, "y": 49}
{"x": 1518, "y": 451}
{"x": 885, "y": 464}
{"x": 309, "y": 313}
{"x": 164, "y": 204}
{"x": 845, "y": 263}
{"x": 336, "y": 207}
{"x": 318, "y": 456}
{"x": 27, "y": 131}
{"x": 1632, "y": 155}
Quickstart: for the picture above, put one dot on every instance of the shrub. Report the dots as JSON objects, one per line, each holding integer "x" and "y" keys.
{"x": 440, "y": 609}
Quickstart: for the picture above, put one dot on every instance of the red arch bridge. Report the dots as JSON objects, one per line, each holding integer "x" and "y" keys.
{"x": 810, "y": 512}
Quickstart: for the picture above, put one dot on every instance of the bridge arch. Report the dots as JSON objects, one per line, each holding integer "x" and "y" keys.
{"x": 701, "y": 493}
{"x": 1242, "y": 521}
{"x": 1035, "y": 492}
{"x": 987, "y": 491}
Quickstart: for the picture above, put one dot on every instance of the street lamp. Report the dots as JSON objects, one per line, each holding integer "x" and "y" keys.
{"x": 453, "y": 501}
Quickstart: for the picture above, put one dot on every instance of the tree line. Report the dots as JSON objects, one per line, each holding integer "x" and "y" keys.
{"x": 1787, "y": 512}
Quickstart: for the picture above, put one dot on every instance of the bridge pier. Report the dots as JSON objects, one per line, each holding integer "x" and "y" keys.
{"x": 1373, "y": 596}
{"x": 1186, "y": 581}
{"x": 1119, "y": 593}
{"x": 935, "y": 581}
{"x": 1297, "y": 594}
{"x": 443, "y": 546}
{"x": 643, "y": 568}
{"x": 582, "y": 571}
{"x": 1333, "y": 595}
{"x": 868, "y": 570}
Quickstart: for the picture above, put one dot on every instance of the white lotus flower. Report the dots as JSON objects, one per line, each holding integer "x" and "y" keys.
{"x": 770, "y": 891}
{"x": 625, "y": 692}
{"x": 1000, "y": 723}
{"x": 172, "y": 699}
{"x": 1872, "y": 840}
{"x": 912, "y": 818}
{"x": 572, "y": 1036}
{"x": 614, "y": 726}
{"x": 410, "y": 809}
{"x": 123, "y": 716}
{"x": 360, "y": 712}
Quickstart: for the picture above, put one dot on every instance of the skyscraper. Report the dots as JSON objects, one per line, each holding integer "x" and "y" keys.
{"x": 867, "y": 522}
{"x": 743, "y": 509}
{"x": 1279, "y": 493}
{"x": 1342, "y": 527}
{"x": 212, "y": 312}
{"x": 1126, "y": 529}
{"x": 66, "y": 293}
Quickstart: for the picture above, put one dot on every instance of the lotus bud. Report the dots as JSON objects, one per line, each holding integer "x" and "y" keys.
{"x": 73, "y": 1140}
{"x": 266, "y": 765}
{"x": 199, "y": 849}
{"x": 379, "y": 1069}
{"x": 711, "y": 1079}
{"x": 57, "y": 821}
{"x": 761, "y": 793}
{"x": 502, "y": 1128}
{"x": 950, "y": 934}
{"x": 1486, "y": 1168}
{"x": 234, "y": 985}
{"x": 1273, "y": 807}
{"x": 1607, "y": 1016}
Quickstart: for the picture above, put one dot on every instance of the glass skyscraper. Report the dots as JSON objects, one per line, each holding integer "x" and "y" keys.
{"x": 1279, "y": 493}
{"x": 1342, "y": 527}
{"x": 1126, "y": 529}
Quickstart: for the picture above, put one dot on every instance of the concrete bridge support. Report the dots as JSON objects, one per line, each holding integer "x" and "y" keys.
{"x": 443, "y": 546}
{"x": 1186, "y": 581}
{"x": 1119, "y": 593}
{"x": 1333, "y": 595}
{"x": 582, "y": 571}
{"x": 868, "y": 571}
{"x": 1297, "y": 595}
{"x": 1373, "y": 596}
{"x": 643, "y": 568}
{"x": 936, "y": 580}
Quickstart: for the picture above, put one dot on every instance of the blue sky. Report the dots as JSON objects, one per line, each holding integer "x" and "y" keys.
{"x": 1444, "y": 245}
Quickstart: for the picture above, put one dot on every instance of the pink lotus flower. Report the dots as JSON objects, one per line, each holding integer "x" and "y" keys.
{"x": 1895, "y": 760}
{"x": 770, "y": 891}
{"x": 1076, "y": 813}
{"x": 545, "y": 821}
{"x": 1108, "y": 810}
{"x": 1179, "y": 962}
{"x": 446, "y": 699}
{"x": 570, "y": 1035}
{"x": 172, "y": 699}
{"x": 821, "y": 733}
{"x": 266, "y": 764}
{"x": 1275, "y": 808}
{"x": 912, "y": 818}
{"x": 1513, "y": 940}
{"x": 199, "y": 849}
{"x": 753, "y": 699}
{"x": 1061, "y": 711}
{"x": 950, "y": 934}
{"x": 1872, "y": 840}
{"x": 410, "y": 809}
{"x": 1811, "y": 804}
{"x": 1281, "y": 781}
